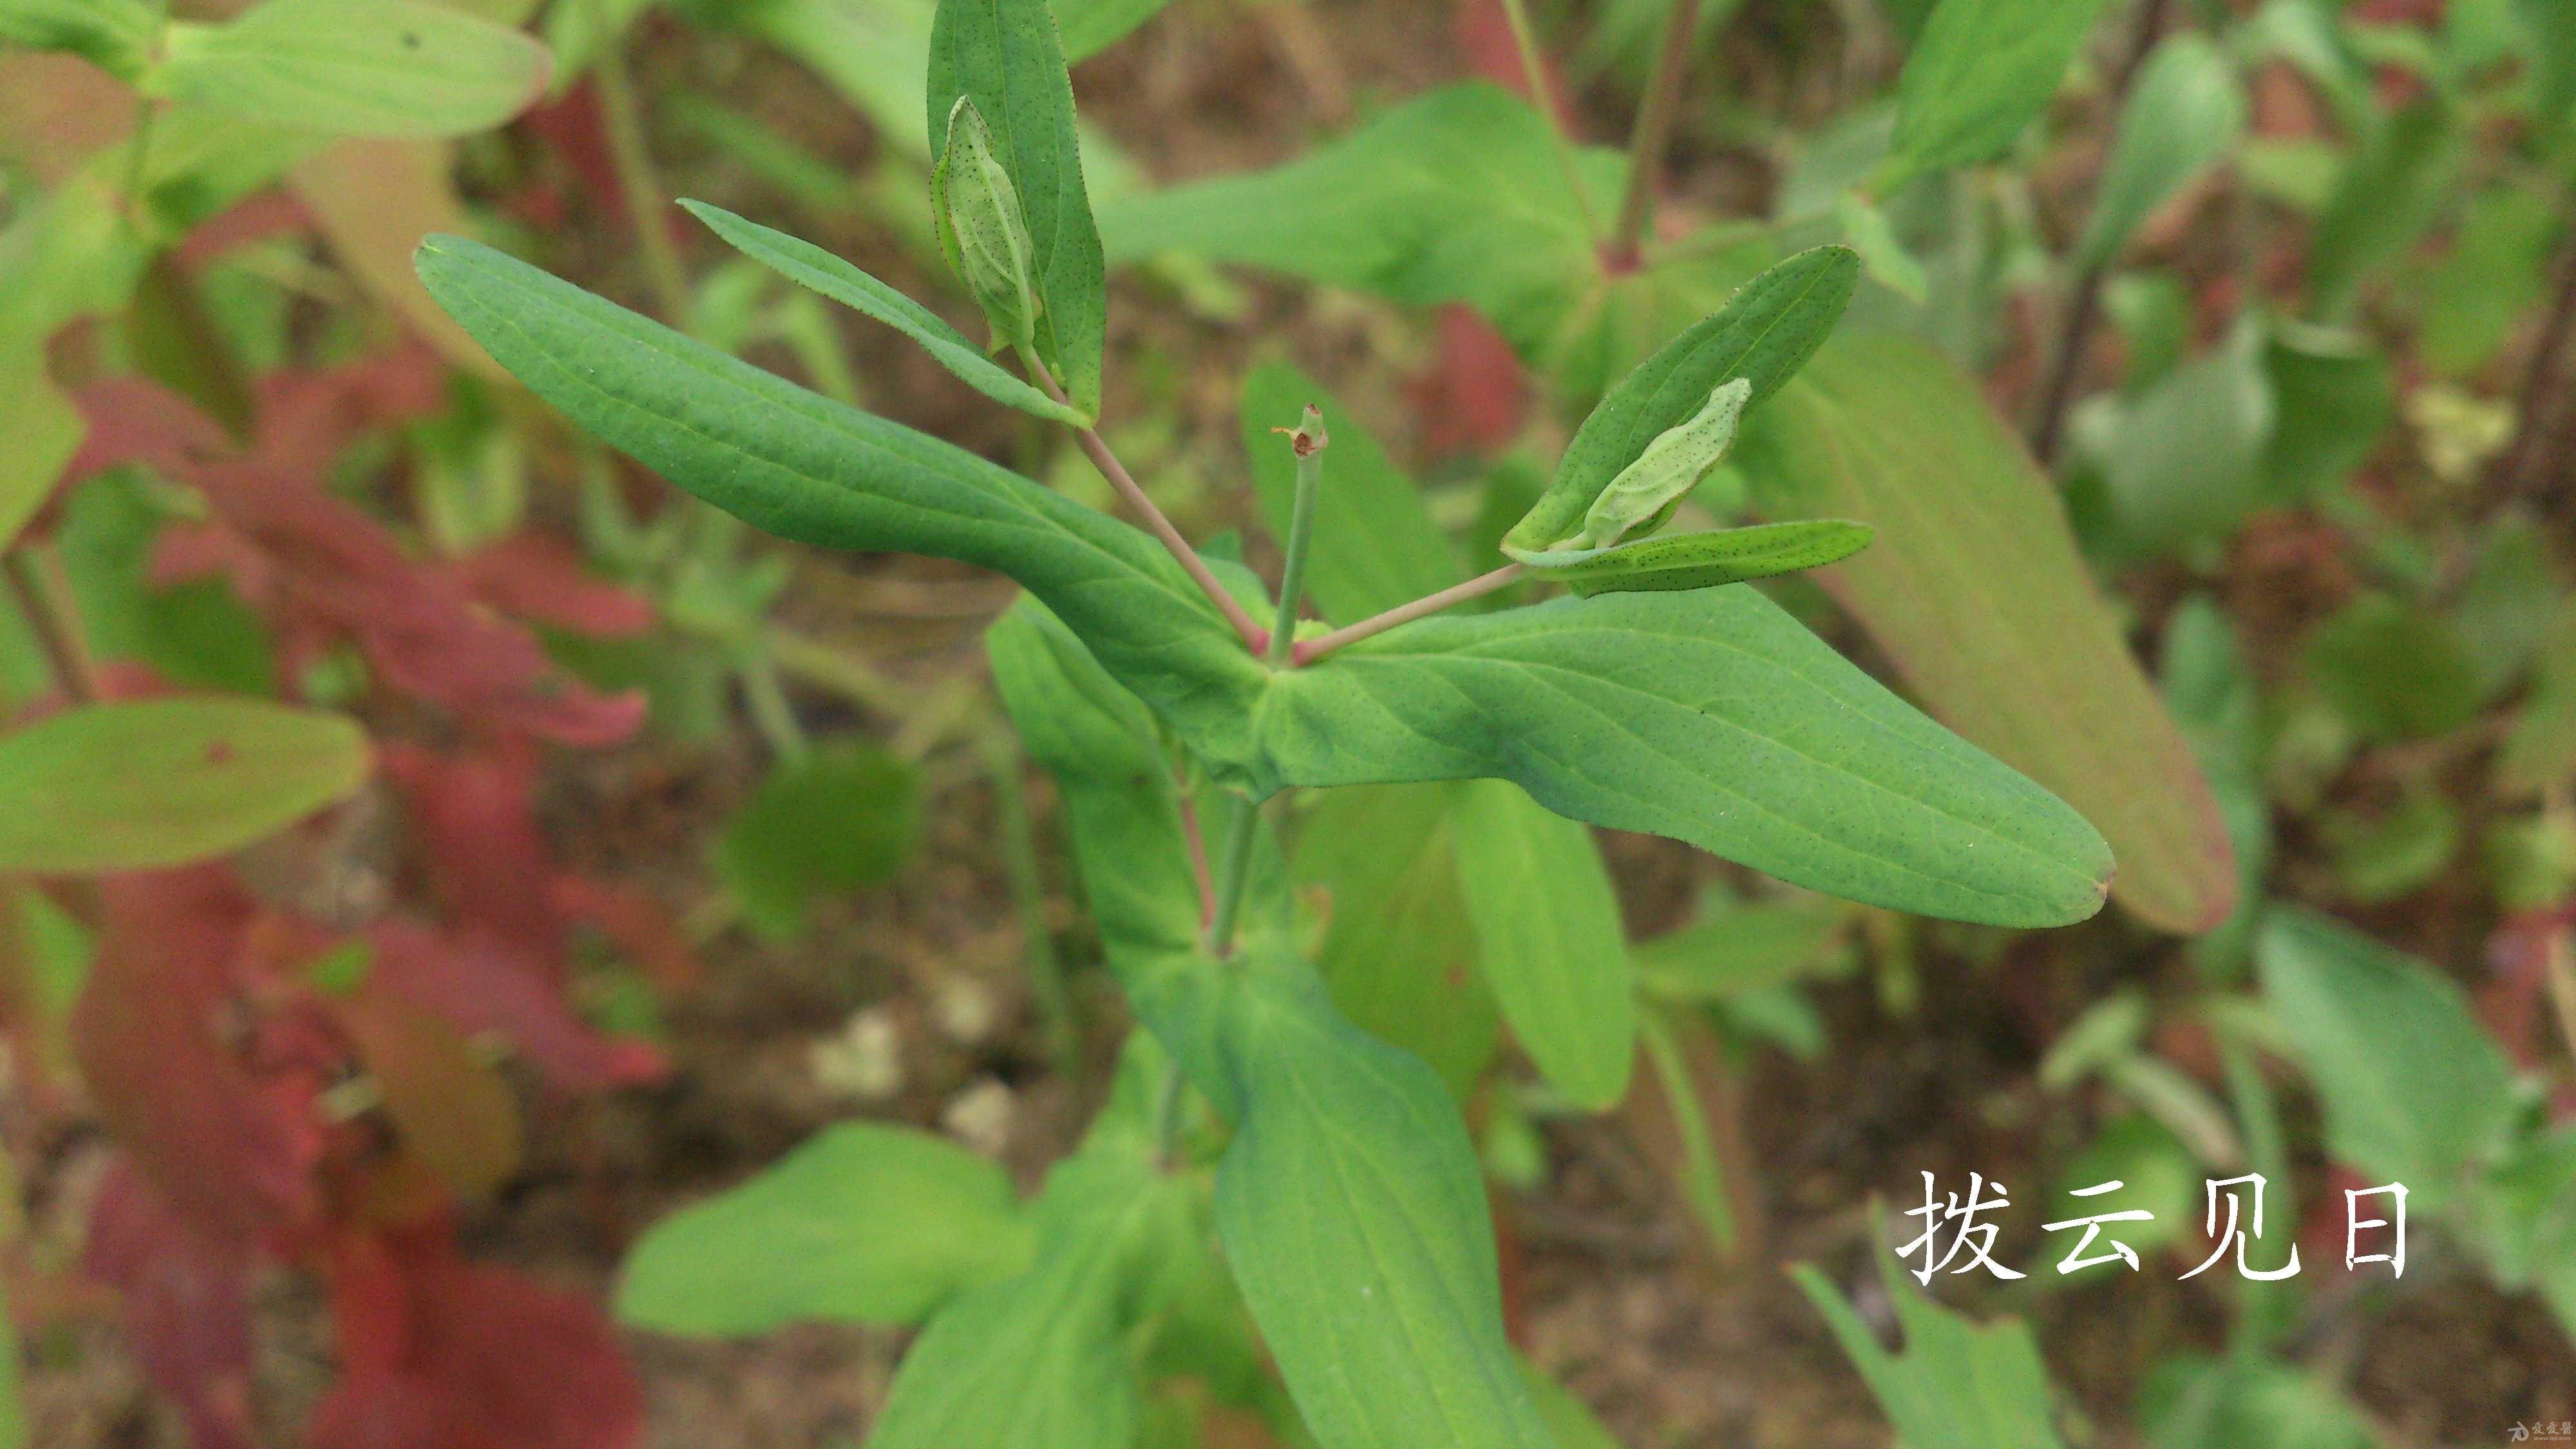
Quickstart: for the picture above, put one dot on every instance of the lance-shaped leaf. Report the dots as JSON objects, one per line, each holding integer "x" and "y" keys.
{"x": 1549, "y": 937}
{"x": 1092, "y": 26}
{"x": 2183, "y": 114}
{"x": 1043, "y": 1358}
{"x": 1003, "y": 56}
{"x": 1702, "y": 560}
{"x": 1349, "y": 1202}
{"x": 1764, "y": 334}
{"x": 44, "y": 432}
{"x": 1953, "y": 1383}
{"x": 356, "y": 67}
{"x": 115, "y": 34}
{"x": 1975, "y": 589}
{"x": 150, "y": 783}
{"x": 1979, "y": 74}
{"x": 808, "y": 265}
{"x": 1454, "y": 196}
{"x": 864, "y": 1223}
{"x": 1709, "y": 716}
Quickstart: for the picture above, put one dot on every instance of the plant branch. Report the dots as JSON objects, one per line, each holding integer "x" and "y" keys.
{"x": 1534, "y": 75}
{"x": 1236, "y": 877}
{"x": 1255, "y": 638}
{"x": 1309, "y": 650}
{"x": 639, "y": 184}
{"x": 1654, "y": 130}
{"x": 1309, "y": 441}
{"x": 2520, "y": 468}
{"x": 2048, "y": 424}
{"x": 38, "y": 592}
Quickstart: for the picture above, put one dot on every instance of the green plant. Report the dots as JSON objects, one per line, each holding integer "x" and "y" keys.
{"x": 1162, "y": 685}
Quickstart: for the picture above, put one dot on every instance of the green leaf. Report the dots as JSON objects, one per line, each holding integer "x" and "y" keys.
{"x": 1956, "y": 1384}
{"x": 2552, "y": 26}
{"x": 1375, "y": 545}
{"x": 1979, "y": 75}
{"x": 2332, "y": 399}
{"x": 810, "y": 266}
{"x": 1975, "y": 589}
{"x": 1089, "y": 27}
{"x": 2395, "y": 184}
{"x": 1703, "y": 1182}
{"x": 1882, "y": 253}
{"x": 2192, "y": 1401}
{"x": 2413, "y": 1088}
{"x": 356, "y": 67}
{"x": 143, "y": 784}
{"x": 1567, "y": 1417}
{"x": 116, "y": 35}
{"x": 1353, "y": 1212}
{"x": 2394, "y": 671}
{"x": 2184, "y": 112}
{"x": 1702, "y": 560}
{"x": 1765, "y": 333}
{"x": 861, "y": 1224}
{"x": 1549, "y": 937}
{"x": 1455, "y": 196}
{"x": 2494, "y": 275}
{"x": 1738, "y": 949}
{"x": 1736, "y": 730}
{"x": 1043, "y": 1358}
{"x": 842, "y": 818}
{"x": 44, "y": 431}
{"x": 1399, "y": 951}
{"x": 2184, "y": 462}
{"x": 1003, "y": 55}
{"x": 2541, "y": 749}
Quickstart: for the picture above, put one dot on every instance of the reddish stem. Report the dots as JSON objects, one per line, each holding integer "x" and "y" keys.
{"x": 1309, "y": 650}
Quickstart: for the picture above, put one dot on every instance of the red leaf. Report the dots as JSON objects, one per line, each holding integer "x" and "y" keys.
{"x": 1484, "y": 33}
{"x": 488, "y": 862}
{"x": 1476, "y": 395}
{"x": 229, "y": 1150}
{"x": 649, "y": 934}
{"x": 536, "y": 577}
{"x": 478, "y": 984}
{"x": 187, "y": 1307}
{"x": 447, "y": 1354}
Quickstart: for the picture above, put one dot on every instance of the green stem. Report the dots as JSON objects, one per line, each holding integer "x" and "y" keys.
{"x": 1234, "y": 877}
{"x": 1654, "y": 129}
{"x": 1019, "y": 843}
{"x": 37, "y": 589}
{"x": 770, "y": 709}
{"x": 640, "y": 184}
{"x": 1534, "y": 74}
{"x": 1309, "y": 441}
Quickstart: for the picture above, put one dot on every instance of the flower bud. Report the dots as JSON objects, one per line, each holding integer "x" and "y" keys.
{"x": 981, "y": 231}
{"x": 1647, "y": 490}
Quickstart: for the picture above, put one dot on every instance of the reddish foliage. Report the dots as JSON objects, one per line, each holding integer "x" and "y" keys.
{"x": 440, "y": 1353}
{"x": 325, "y": 570}
{"x": 231, "y": 1150}
{"x": 1475, "y": 398}
{"x": 1484, "y": 35}
{"x": 187, "y": 1309}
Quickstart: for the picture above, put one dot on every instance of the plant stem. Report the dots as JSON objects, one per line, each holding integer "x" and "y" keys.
{"x": 770, "y": 709}
{"x": 1534, "y": 75}
{"x": 2048, "y": 426}
{"x": 1654, "y": 129}
{"x": 1061, "y": 1027}
{"x": 1235, "y": 876}
{"x": 1309, "y": 650}
{"x": 1309, "y": 441}
{"x": 1198, "y": 853}
{"x": 1167, "y": 1114}
{"x": 2520, "y": 468}
{"x": 639, "y": 184}
{"x": 37, "y": 589}
{"x": 1255, "y": 638}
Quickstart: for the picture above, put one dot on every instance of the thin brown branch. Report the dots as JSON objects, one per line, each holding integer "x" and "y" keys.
{"x": 1654, "y": 130}
{"x": 1255, "y": 638}
{"x": 38, "y": 591}
{"x": 1308, "y": 651}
